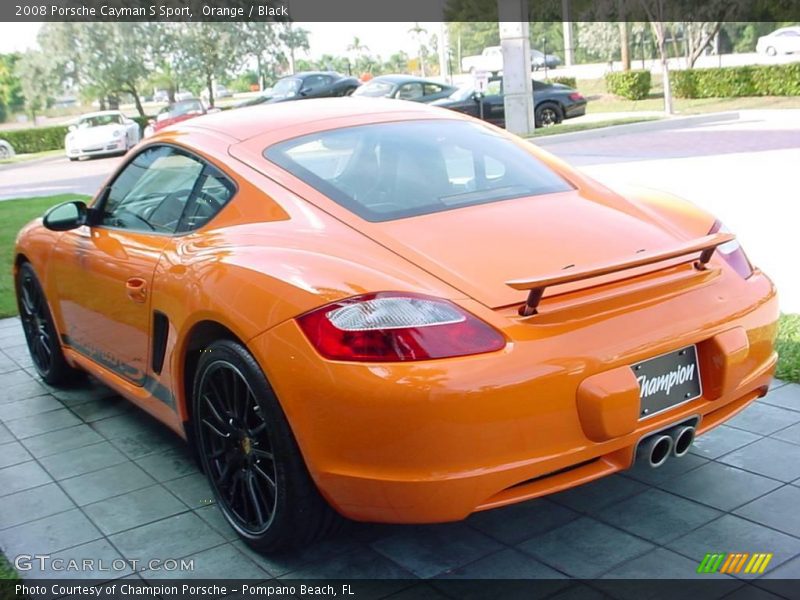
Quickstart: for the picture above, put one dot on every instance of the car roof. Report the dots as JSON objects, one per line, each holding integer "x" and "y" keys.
{"x": 307, "y": 73}
{"x": 782, "y": 29}
{"x": 252, "y": 121}
{"x": 101, "y": 113}
{"x": 400, "y": 78}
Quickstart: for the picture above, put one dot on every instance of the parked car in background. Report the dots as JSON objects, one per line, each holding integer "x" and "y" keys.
{"x": 405, "y": 87}
{"x": 101, "y": 134}
{"x": 540, "y": 60}
{"x": 785, "y": 40}
{"x": 161, "y": 96}
{"x": 180, "y": 96}
{"x": 220, "y": 91}
{"x": 264, "y": 96}
{"x": 6, "y": 150}
{"x": 490, "y": 60}
{"x": 553, "y": 102}
{"x": 313, "y": 84}
{"x": 175, "y": 113}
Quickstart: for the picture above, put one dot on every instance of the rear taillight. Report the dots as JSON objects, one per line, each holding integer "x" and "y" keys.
{"x": 393, "y": 326}
{"x": 732, "y": 252}
{"x": 575, "y": 96}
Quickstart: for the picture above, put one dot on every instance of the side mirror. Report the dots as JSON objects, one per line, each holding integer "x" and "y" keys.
{"x": 66, "y": 216}
{"x": 305, "y": 91}
{"x": 72, "y": 128}
{"x": 151, "y": 121}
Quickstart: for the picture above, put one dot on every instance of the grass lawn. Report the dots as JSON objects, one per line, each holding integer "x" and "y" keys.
{"x": 18, "y": 158}
{"x": 13, "y": 215}
{"x": 571, "y": 128}
{"x": 788, "y": 347}
{"x": 8, "y": 579}
{"x": 600, "y": 101}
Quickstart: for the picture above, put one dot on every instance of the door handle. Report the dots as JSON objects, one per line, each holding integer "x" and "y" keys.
{"x": 136, "y": 288}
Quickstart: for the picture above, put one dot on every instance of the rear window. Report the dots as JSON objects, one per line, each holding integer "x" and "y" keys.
{"x": 396, "y": 170}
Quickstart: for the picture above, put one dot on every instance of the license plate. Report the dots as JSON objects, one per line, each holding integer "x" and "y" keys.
{"x": 667, "y": 380}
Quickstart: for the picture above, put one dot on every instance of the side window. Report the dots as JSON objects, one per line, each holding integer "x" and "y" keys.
{"x": 410, "y": 91}
{"x": 152, "y": 193}
{"x": 432, "y": 88}
{"x": 316, "y": 82}
{"x": 213, "y": 192}
{"x": 494, "y": 87}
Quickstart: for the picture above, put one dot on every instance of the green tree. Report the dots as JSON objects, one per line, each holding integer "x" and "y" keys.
{"x": 263, "y": 41}
{"x": 11, "y": 98}
{"x": 212, "y": 51}
{"x": 418, "y": 32}
{"x": 295, "y": 39}
{"x": 599, "y": 39}
{"x": 470, "y": 38}
{"x": 37, "y": 80}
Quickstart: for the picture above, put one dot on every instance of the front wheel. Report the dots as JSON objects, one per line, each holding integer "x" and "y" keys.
{"x": 40, "y": 330}
{"x": 250, "y": 456}
{"x": 547, "y": 115}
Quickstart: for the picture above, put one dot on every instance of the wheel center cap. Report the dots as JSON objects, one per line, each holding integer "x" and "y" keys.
{"x": 247, "y": 445}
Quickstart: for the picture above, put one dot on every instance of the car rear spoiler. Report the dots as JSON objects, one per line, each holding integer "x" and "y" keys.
{"x": 704, "y": 245}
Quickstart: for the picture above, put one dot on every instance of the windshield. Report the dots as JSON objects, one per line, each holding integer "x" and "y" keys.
{"x": 286, "y": 87}
{"x": 99, "y": 121}
{"x": 179, "y": 109}
{"x": 374, "y": 89}
{"x": 389, "y": 171}
{"x": 462, "y": 93}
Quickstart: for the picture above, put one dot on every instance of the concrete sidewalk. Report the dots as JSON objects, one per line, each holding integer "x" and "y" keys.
{"x": 86, "y": 475}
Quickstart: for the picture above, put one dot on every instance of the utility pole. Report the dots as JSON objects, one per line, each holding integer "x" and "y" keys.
{"x": 517, "y": 87}
{"x": 444, "y": 52}
{"x": 569, "y": 47}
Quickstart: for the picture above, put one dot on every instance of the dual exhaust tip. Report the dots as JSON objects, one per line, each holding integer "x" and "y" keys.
{"x": 656, "y": 449}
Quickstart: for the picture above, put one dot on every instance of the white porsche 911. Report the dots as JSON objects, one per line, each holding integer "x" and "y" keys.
{"x": 101, "y": 134}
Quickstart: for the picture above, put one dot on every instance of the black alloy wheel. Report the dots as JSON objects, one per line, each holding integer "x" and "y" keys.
{"x": 40, "y": 331}
{"x": 236, "y": 447}
{"x": 547, "y": 115}
{"x": 250, "y": 456}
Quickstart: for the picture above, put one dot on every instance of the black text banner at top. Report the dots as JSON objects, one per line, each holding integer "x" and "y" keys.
{"x": 393, "y": 10}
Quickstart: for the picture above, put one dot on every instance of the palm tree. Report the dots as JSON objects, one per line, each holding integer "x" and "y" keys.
{"x": 417, "y": 31}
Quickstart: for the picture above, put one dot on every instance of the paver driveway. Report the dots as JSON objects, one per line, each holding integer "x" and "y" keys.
{"x": 84, "y": 474}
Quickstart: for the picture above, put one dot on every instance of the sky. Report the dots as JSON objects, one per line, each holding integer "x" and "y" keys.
{"x": 325, "y": 38}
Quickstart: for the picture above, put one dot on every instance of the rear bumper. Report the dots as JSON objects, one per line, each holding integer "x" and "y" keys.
{"x": 575, "y": 110}
{"x": 435, "y": 441}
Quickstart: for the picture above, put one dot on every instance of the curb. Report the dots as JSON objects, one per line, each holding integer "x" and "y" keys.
{"x": 643, "y": 127}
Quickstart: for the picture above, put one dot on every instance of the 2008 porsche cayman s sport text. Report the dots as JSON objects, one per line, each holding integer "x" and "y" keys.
{"x": 392, "y": 312}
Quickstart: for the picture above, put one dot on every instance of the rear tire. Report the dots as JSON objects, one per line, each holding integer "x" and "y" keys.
{"x": 249, "y": 454}
{"x": 40, "y": 331}
{"x": 771, "y": 51}
{"x": 548, "y": 114}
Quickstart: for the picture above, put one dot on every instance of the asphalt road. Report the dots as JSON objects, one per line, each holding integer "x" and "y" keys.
{"x": 55, "y": 175}
{"x": 744, "y": 171}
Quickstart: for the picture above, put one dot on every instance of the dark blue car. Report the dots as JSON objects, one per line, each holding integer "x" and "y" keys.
{"x": 553, "y": 102}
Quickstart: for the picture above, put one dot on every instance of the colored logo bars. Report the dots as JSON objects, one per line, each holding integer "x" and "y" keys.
{"x": 735, "y": 562}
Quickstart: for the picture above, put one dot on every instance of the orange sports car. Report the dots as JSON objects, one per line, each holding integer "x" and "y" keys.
{"x": 392, "y": 312}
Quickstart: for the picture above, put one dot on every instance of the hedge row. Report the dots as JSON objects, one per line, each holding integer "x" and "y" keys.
{"x": 41, "y": 139}
{"x": 633, "y": 85}
{"x": 568, "y": 81}
{"x": 733, "y": 82}
{"x": 36, "y": 139}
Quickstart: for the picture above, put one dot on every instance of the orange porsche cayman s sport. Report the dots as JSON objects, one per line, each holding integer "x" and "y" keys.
{"x": 392, "y": 312}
